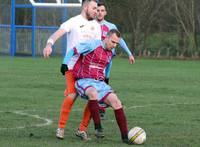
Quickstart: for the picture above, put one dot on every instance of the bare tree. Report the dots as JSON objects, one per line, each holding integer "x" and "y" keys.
{"x": 137, "y": 17}
{"x": 185, "y": 14}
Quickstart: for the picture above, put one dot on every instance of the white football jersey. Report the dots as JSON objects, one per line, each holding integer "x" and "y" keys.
{"x": 79, "y": 30}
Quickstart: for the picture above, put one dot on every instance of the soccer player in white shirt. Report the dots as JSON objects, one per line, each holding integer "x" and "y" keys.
{"x": 79, "y": 29}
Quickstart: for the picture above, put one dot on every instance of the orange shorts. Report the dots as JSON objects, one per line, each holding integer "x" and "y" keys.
{"x": 70, "y": 83}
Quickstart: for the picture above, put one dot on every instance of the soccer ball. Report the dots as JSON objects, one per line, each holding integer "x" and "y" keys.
{"x": 137, "y": 135}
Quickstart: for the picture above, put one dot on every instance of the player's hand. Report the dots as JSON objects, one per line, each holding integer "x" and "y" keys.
{"x": 131, "y": 59}
{"x": 106, "y": 80}
{"x": 47, "y": 51}
{"x": 63, "y": 69}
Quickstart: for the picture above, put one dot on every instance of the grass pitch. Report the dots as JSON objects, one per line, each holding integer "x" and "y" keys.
{"x": 161, "y": 96}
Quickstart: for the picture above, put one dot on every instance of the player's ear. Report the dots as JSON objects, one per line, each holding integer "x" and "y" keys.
{"x": 84, "y": 6}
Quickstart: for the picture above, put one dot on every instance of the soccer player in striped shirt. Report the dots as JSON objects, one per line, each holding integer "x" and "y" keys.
{"x": 90, "y": 74}
{"x": 105, "y": 27}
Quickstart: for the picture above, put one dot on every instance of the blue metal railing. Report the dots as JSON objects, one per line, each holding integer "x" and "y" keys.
{"x": 33, "y": 27}
{"x": 13, "y": 31}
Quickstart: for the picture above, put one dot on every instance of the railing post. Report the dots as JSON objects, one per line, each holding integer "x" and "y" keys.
{"x": 64, "y": 42}
{"x": 13, "y": 30}
{"x": 33, "y": 31}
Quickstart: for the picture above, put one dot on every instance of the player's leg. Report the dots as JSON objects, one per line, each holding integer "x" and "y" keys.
{"x": 67, "y": 104}
{"x": 87, "y": 88}
{"x": 81, "y": 132}
{"x": 120, "y": 116}
{"x": 86, "y": 119}
{"x": 93, "y": 105}
{"x": 102, "y": 110}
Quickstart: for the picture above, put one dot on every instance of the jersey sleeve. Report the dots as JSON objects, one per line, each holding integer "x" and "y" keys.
{"x": 68, "y": 56}
{"x": 67, "y": 25}
{"x": 113, "y": 27}
{"x": 84, "y": 47}
{"x": 123, "y": 45}
{"x": 110, "y": 25}
{"x": 107, "y": 70}
{"x": 81, "y": 48}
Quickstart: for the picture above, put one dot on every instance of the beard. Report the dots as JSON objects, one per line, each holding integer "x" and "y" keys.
{"x": 89, "y": 17}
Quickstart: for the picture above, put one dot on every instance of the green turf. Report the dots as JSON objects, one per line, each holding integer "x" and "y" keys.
{"x": 161, "y": 96}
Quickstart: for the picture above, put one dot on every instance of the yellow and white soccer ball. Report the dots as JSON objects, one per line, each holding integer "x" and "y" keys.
{"x": 137, "y": 135}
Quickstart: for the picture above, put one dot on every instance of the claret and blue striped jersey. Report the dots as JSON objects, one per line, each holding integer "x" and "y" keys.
{"x": 93, "y": 61}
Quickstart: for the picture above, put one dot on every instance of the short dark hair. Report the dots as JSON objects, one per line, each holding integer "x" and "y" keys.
{"x": 101, "y": 3}
{"x": 114, "y": 31}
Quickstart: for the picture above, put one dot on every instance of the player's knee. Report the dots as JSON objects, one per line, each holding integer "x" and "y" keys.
{"x": 92, "y": 93}
{"x": 115, "y": 102}
{"x": 117, "y": 105}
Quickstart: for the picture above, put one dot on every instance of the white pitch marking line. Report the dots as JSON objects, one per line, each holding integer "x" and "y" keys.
{"x": 130, "y": 107}
{"x": 47, "y": 121}
{"x": 160, "y": 105}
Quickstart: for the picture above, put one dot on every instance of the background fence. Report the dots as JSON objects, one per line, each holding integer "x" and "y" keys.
{"x": 152, "y": 28}
{"x": 24, "y": 29}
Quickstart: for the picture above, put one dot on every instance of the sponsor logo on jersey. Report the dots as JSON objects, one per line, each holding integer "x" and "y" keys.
{"x": 81, "y": 26}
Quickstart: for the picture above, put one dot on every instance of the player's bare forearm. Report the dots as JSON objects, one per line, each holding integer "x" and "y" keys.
{"x": 50, "y": 42}
{"x": 55, "y": 36}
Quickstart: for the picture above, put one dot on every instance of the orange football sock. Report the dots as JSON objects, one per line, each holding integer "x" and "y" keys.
{"x": 65, "y": 111}
{"x": 86, "y": 119}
